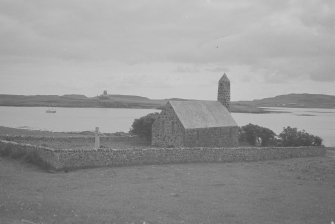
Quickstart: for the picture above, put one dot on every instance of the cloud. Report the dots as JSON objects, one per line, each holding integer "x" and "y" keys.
{"x": 134, "y": 31}
{"x": 187, "y": 69}
{"x": 324, "y": 72}
{"x": 319, "y": 15}
{"x": 218, "y": 69}
{"x": 269, "y": 40}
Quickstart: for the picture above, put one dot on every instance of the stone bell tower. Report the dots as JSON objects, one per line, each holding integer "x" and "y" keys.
{"x": 224, "y": 91}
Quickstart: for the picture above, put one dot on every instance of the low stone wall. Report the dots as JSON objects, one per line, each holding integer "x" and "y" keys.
{"x": 82, "y": 142}
{"x": 37, "y": 153}
{"x": 74, "y": 159}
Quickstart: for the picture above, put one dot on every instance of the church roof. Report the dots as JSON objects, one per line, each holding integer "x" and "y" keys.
{"x": 202, "y": 114}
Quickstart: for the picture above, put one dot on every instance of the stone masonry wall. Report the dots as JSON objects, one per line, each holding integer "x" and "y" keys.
{"x": 74, "y": 159}
{"x": 224, "y": 93}
{"x": 212, "y": 137}
{"x": 167, "y": 130}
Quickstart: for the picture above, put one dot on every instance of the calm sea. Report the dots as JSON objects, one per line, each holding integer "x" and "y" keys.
{"x": 319, "y": 122}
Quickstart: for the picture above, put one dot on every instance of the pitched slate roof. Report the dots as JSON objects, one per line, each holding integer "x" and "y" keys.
{"x": 202, "y": 114}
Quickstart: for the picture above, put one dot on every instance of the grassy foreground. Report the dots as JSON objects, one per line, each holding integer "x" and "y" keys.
{"x": 287, "y": 191}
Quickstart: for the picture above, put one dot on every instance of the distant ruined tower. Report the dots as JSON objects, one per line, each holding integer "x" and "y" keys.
{"x": 224, "y": 91}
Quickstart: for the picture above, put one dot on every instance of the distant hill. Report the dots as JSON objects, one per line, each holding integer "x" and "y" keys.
{"x": 131, "y": 101}
{"x": 75, "y": 96}
{"x": 124, "y": 97}
{"x": 74, "y": 100}
{"x": 303, "y": 100}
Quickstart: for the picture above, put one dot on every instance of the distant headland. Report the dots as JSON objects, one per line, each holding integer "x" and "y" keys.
{"x": 130, "y": 101}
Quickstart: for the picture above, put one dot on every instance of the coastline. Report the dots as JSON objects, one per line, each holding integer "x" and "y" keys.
{"x": 234, "y": 108}
{"x": 138, "y": 102}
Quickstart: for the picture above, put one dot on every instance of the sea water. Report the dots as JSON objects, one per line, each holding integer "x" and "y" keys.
{"x": 319, "y": 122}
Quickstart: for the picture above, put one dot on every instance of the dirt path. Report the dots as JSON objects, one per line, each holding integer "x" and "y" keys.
{"x": 288, "y": 191}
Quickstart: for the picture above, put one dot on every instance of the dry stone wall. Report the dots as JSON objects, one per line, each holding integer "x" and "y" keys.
{"x": 74, "y": 159}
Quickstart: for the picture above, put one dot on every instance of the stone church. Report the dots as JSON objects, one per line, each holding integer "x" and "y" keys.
{"x": 197, "y": 123}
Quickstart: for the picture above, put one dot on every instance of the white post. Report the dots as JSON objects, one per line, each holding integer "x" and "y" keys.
{"x": 97, "y": 139}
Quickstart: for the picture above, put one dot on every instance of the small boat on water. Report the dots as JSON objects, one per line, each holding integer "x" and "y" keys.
{"x": 51, "y": 110}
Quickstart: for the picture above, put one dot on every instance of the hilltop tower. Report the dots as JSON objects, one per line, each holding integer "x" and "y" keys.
{"x": 224, "y": 91}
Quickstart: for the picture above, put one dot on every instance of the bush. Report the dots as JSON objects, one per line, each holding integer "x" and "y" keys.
{"x": 34, "y": 158}
{"x": 5, "y": 150}
{"x": 142, "y": 126}
{"x": 251, "y": 132}
{"x": 293, "y": 137}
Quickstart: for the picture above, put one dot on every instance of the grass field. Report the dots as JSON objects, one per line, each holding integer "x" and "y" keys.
{"x": 67, "y": 140}
{"x": 288, "y": 191}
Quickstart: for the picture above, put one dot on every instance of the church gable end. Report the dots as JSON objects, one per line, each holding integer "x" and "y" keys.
{"x": 167, "y": 129}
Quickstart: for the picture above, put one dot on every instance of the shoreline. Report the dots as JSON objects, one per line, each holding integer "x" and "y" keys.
{"x": 234, "y": 108}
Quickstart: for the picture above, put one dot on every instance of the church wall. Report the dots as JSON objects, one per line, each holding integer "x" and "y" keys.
{"x": 211, "y": 137}
{"x": 167, "y": 131}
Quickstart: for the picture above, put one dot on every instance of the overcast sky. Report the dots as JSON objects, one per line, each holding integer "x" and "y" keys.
{"x": 165, "y": 49}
